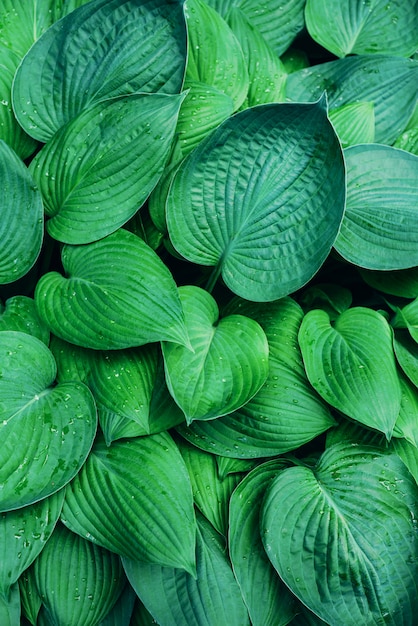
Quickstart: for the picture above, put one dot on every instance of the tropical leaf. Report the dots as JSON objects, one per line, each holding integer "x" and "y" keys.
{"x": 19, "y": 313}
{"x": 245, "y": 215}
{"x": 118, "y": 294}
{"x": 351, "y": 522}
{"x": 354, "y": 123}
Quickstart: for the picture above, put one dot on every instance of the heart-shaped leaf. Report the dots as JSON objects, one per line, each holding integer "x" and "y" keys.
{"x": 245, "y": 215}
{"x": 118, "y": 294}
{"x": 126, "y": 47}
{"x": 115, "y": 152}
{"x": 46, "y": 431}
{"x": 135, "y": 498}
{"x": 21, "y": 217}
{"x": 351, "y": 365}
{"x": 344, "y": 538}
{"x": 380, "y": 230}
{"x": 19, "y": 313}
{"x": 228, "y": 364}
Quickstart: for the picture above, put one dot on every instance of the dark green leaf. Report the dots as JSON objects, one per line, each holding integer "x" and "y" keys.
{"x": 19, "y": 313}
{"x": 406, "y": 351}
{"x": 403, "y": 283}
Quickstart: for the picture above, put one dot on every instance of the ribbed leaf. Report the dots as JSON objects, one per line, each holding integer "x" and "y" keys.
{"x": 228, "y": 364}
{"x": 380, "y": 227}
{"x": 269, "y": 602}
{"x": 407, "y": 317}
{"x": 409, "y": 455}
{"x": 408, "y": 141}
{"x": 46, "y": 431}
{"x": 351, "y": 365}
{"x": 121, "y": 613}
{"x": 389, "y": 82}
{"x": 344, "y": 537}
{"x": 354, "y": 123}
{"x": 127, "y": 46}
{"x": 99, "y": 168}
{"x": 19, "y": 313}
{"x": 77, "y": 581}
{"x": 357, "y": 27}
{"x": 406, "y": 424}
{"x": 118, "y": 294}
{"x": 10, "y": 607}
{"x": 334, "y": 299}
{"x": 402, "y": 283}
{"x": 30, "y": 599}
{"x": 227, "y": 466}
{"x": 406, "y": 351}
{"x": 134, "y": 498}
{"x": 73, "y": 362}
{"x": 266, "y": 221}
{"x": 21, "y": 217}
{"x": 23, "y": 22}
{"x": 173, "y": 596}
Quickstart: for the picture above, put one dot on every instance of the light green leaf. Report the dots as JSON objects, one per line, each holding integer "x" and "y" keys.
{"x": 269, "y": 602}
{"x": 406, "y": 424}
{"x": 19, "y": 313}
{"x": 100, "y": 168}
{"x": 78, "y": 581}
{"x": 408, "y": 140}
{"x": 173, "y": 596}
{"x": 227, "y": 466}
{"x": 46, "y": 431}
{"x": 357, "y": 27}
{"x": 23, "y": 22}
{"x": 126, "y": 47}
{"x": 354, "y": 123}
{"x": 403, "y": 283}
{"x": 266, "y": 221}
{"x": 407, "y": 317}
{"x": 135, "y": 498}
{"x": 406, "y": 351}
{"x": 343, "y": 537}
{"x": 379, "y": 230}
{"x": 117, "y": 294}
{"x": 389, "y": 82}
{"x": 228, "y": 362}
{"x": 21, "y": 217}
{"x": 351, "y": 365}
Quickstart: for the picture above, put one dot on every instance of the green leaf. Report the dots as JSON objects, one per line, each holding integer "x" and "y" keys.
{"x": 408, "y": 140}
{"x": 78, "y": 581}
{"x": 23, "y": 22}
{"x": 351, "y": 365}
{"x": 379, "y": 230}
{"x": 388, "y": 82}
{"x": 269, "y": 602}
{"x": 406, "y": 351}
{"x": 73, "y": 362}
{"x": 227, "y": 466}
{"x": 21, "y": 217}
{"x": 354, "y": 123}
{"x": 10, "y": 607}
{"x": 100, "y": 167}
{"x": 355, "y": 27}
{"x": 19, "y": 313}
{"x": 31, "y": 601}
{"x": 127, "y": 47}
{"x": 344, "y": 538}
{"x": 266, "y": 221}
{"x": 173, "y": 596}
{"x": 228, "y": 364}
{"x": 46, "y": 431}
{"x": 408, "y": 452}
{"x": 134, "y": 498}
{"x": 406, "y": 424}
{"x": 403, "y": 283}
{"x": 118, "y": 294}
{"x": 121, "y": 613}
{"x": 407, "y": 317}
{"x": 334, "y": 299}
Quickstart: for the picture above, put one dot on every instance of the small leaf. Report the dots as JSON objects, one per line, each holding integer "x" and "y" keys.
{"x": 20, "y": 314}
{"x": 354, "y": 123}
{"x": 407, "y": 317}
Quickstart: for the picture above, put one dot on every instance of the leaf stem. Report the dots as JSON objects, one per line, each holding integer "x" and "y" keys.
{"x": 213, "y": 278}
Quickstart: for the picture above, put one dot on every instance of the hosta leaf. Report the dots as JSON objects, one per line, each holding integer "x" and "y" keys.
{"x": 228, "y": 364}
{"x": 118, "y": 294}
{"x": 10, "y": 607}
{"x": 402, "y": 283}
{"x": 46, "y": 431}
{"x": 73, "y": 362}
{"x": 407, "y": 317}
{"x": 19, "y": 313}
{"x": 356, "y": 27}
{"x": 406, "y": 424}
{"x": 227, "y": 466}
{"x": 354, "y": 123}
{"x": 408, "y": 452}
{"x": 389, "y": 82}
{"x": 99, "y": 168}
{"x": 380, "y": 228}
{"x": 244, "y": 215}
{"x": 121, "y": 613}
{"x": 127, "y": 47}
{"x": 134, "y": 498}
{"x": 78, "y": 581}
{"x": 408, "y": 140}
{"x": 23, "y": 22}
{"x": 30, "y": 599}
{"x": 141, "y": 616}
{"x": 294, "y": 59}
{"x": 351, "y": 365}
{"x": 334, "y": 299}
{"x": 173, "y": 596}
{"x": 21, "y": 217}
{"x": 269, "y": 602}
{"x": 406, "y": 351}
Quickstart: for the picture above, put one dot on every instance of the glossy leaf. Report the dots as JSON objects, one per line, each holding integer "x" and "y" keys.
{"x": 228, "y": 364}
{"x": 351, "y": 365}
{"x": 46, "y": 431}
{"x": 127, "y": 47}
{"x": 406, "y": 351}
{"x": 354, "y": 123}
{"x": 344, "y": 538}
{"x": 19, "y": 313}
{"x": 244, "y": 215}
{"x": 23, "y": 22}
{"x": 118, "y": 294}
{"x": 134, "y": 498}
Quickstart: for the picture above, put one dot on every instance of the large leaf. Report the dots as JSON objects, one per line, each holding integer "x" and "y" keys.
{"x": 351, "y": 364}
{"x": 228, "y": 364}
{"x": 266, "y": 221}
{"x": 19, "y": 313}
{"x": 23, "y": 22}
{"x": 406, "y": 424}
{"x": 118, "y": 294}
{"x": 380, "y": 226}
{"x": 135, "y": 498}
{"x": 78, "y": 582}
{"x": 46, "y": 431}
{"x": 21, "y": 217}
{"x": 99, "y": 168}
{"x": 356, "y": 27}
{"x": 354, "y": 123}
{"x": 173, "y": 596}
{"x": 389, "y": 82}
{"x": 121, "y": 47}
{"x": 344, "y": 538}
